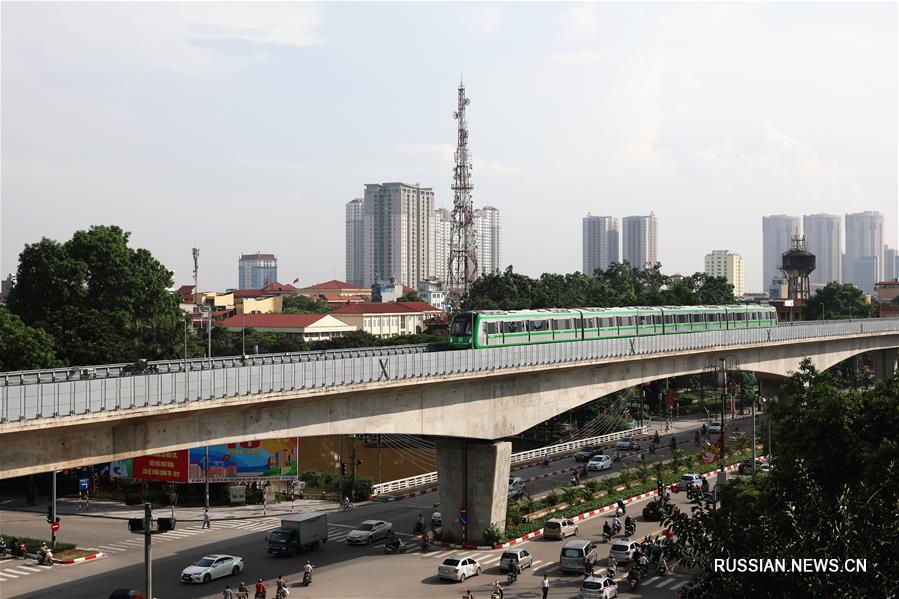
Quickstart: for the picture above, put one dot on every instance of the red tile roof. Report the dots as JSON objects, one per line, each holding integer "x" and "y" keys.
{"x": 336, "y": 297}
{"x": 278, "y": 287}
{"x": 257, "y": 256}
{"x": 385, "y": 308}
{"x": 278, "y": 321}
{"x": 334, "y": 284}
{"x": 247, "y": 293}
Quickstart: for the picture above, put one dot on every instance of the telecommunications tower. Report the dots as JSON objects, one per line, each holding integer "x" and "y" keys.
{"x": 462, "y": 268}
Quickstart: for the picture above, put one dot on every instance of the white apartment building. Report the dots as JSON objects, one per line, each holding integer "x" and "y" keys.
{"x": 355, "y": 246}
{"x": 722, "y": 263}
{"x": 444, "y": 228}
{"x": 824, "y": 238}
{"x": 639, "y": 235}
{"x": 890, "y": 264}
{"x": 398, "y": 233}
{"x": 487, "y": 230}
{"x": 599, "y": 235}
{"x": 777, "y": 234}
{"x": 864, "y": 239}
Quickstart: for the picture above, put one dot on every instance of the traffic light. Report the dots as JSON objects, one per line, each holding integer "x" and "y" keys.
{"x": 136, "y": 525}
{"x": 165, "y": 524}
{"x": 342, "y": 468}
{"x": 49, "y": 514}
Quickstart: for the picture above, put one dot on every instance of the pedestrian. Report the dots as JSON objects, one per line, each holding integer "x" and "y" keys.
{"x": 205, "y": 519}
{"x": 226, "y": 593}
{"x": 544, "y": 586}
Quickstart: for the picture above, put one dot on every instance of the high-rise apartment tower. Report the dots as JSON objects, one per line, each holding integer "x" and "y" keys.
{"x": 824, "y": 238}
{"x": 255, "y": 271}
{"x": 639, "y": 240}
{"x": 355, "y": 244}
{"x": 721, "y": 263}
{"x": 599, "y": 236}
{"x": 864, "y": 239}
{"x": 777, "y": 233}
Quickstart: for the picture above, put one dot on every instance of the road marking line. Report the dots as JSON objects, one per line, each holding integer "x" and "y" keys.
{"x": 680, "y": 584}
{"x": 9, "y": 575}
{"x": 31, "y": 568}
{"x": 112, "y": 548}
{"x": 16, "y": 571}
{"x": 491, "y": 560}
{"x": 341, "y": 526}
{"x": 664, "y": 582}
{"x": 548, "y": 567}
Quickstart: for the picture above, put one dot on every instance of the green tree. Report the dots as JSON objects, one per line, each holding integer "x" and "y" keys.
{"x": 837, "y": 300}
{"x": 500, "y": 291}
{"x": 23, "y": 347}
{"x": 833, "y": 492}
{"x": 409, "y": 296}
{"x": 100, "y": 300}
{"x": 301, "y": 304}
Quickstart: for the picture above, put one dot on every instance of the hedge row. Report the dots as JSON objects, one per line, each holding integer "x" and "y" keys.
{"x": 609, "y": 498}
{"x": 33, "y": 545}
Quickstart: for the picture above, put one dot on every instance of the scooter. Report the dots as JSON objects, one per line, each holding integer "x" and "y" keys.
{"x": 606, "y": 537}
{"x": 633, "y": 578}
{"x": 307, "y": 578}
{"x": 630, "y": 530}
{"x": 399, "y": 547}
{"x": 574, "y": 480}
{"x": 511, "y": 577}
{"x": 619, "y": 512}
{"x": 45, "y": 557}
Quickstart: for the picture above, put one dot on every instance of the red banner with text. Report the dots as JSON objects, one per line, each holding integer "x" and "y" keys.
{"x": 169, "y": 467}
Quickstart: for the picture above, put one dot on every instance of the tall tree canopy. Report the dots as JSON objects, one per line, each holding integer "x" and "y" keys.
{"x": 618, "y": 285}
{"x": 833, "y": 493}
{"x": 99, "y": 299}
{"x": 837, "y": 300}
{"x": 23, "y": 347}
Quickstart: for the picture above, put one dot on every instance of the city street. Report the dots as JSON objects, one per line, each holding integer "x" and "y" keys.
{"x": 342, "y": 571}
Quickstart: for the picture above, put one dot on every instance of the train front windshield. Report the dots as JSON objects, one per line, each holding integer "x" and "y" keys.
{"x": 461, "y": 326}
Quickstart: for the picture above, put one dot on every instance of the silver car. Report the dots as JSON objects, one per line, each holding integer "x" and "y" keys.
{"x": 622, "y": 550}
{"x": 459, "y": 568}
{"x": 368, "y": 532}
{"x": 522, "y": 556}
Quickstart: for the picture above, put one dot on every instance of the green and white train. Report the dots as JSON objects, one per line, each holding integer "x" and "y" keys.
{"x": 498, "y": 328}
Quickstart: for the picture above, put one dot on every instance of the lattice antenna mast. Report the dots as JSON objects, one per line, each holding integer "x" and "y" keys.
{"x": 463, "y": 262}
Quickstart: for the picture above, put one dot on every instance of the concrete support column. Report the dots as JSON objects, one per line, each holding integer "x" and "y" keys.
{"x": 474, "y": 475}
{"x": 885, "y": 363}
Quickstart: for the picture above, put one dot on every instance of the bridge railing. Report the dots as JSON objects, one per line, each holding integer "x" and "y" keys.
{"x": 83, "y": 396}
{"x": 430, "y": 478}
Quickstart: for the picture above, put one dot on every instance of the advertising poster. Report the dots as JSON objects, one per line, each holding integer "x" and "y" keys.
{"x": 169, "y": 467}
{"x": 121, "y": 469}
{"x": 269, "y": 459}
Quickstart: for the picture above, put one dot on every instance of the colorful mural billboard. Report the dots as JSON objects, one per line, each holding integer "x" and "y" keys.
{"x": 270, "y": 459}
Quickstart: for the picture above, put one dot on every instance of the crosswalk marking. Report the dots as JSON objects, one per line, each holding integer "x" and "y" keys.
{"x": 491, "y": 560}
{"x": 679, "y": 585}
{"x": 4, "y": 573}
{"x": 31, "y": 568}
{"x": 12, "y": 571}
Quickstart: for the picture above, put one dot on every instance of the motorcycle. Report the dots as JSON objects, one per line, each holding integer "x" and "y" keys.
{"x": 17, "y": 550}
{"x": 633, "y": 578}
{"x": 3, "y": 547}
{"x": 281, "y": 593}
{"x": 307, "y": 578}
{"x": 606, "y": 537}
{"x": 574, "y": 481}
{"x": 45, "y": 557}
{"x": 630, "y": 530}
{"x": 619, "y": 512}
{"x": 345, "y": 507}
{"x": 398, "y": 547}
{"x": 418, "y": 528}
{"x": 511, "y": 577}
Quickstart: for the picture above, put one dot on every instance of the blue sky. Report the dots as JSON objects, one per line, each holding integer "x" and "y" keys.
{"x": 242, "y": 127}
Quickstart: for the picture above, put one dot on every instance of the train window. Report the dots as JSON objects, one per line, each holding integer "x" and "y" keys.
{"x": 626, "y": 321}
{"x": 739, "y": 316}
{"x": 683, "y": 318}
{"x": 511, "y": 326}
{"x": 539, "y": 325}
{"x": 492, "y": 328}
{"x": 607, "y": 323}
{"x": 590, "y": 323}
{"x": 669, "y": 319}
{"x": 697, "y": 317}
{"x": 560, "y": 324}
{"x": 644, "y": 320}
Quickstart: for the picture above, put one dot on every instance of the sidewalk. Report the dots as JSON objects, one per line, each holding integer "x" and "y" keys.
{"x": 117, "y": 510}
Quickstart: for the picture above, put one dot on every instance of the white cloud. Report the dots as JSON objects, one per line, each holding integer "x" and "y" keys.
{"x": 580, "y": 23}
{"x": 483, "y": 21}
{"x": 579, "y": 57}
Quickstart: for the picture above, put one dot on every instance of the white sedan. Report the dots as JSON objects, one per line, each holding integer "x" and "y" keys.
{"x": 458, "y": 568}
{"x": 600, "y": 462}
{"x": 368, "y": 532}
{"x": 212, "y": 566}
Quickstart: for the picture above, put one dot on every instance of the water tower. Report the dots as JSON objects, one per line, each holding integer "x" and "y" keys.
{"x": 797, "y": 264}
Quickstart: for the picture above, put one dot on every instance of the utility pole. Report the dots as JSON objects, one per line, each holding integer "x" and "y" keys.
{"x": 206, "y": 477}
{"x": 148, "y": 551}
{"x": 753, "y": 435}
{"x": 722, "y": 382}
{"x": 462, "y": 268}
{"x": 52, "y": 510}
{"x": 353, "y": 457}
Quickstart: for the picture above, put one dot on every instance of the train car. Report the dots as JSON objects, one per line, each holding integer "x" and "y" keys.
{"x": 499, "y": 328}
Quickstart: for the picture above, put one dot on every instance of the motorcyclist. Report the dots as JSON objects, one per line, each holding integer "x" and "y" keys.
{"x": 515, "y": 570}
{"x": 281, "y": 588}
{"x": 575, "y": 480}
{"x": 616, "y": 526}
{"x": 663, "y": 566}
{"x": 629, "y": 523}
{"x": 307, "y": 571}
{"x": 419, "y": 523}
{"x": 588, "y": 567}
{"x": 425, "y": 542}
{"x": 260, "y": 589}
{"x": 393, "y": 540}
{"x": 44, "y": 555}
{"x": 498, "y": 589}
{"x": 546, "y": 459}
{"x": 623, "y": 506}
{"x": 242, "y": 592}
{"x": 607, "y": 530}
{"x": 643, "y": 562}
{"x": 617, "y": 457}
{"x": 612, "y": 570}
{"x": 673, "y": 443}
{"x": 345, "y": 503}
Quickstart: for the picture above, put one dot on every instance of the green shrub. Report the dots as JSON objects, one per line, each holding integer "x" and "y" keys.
{"x": 33, "y": 545}
{"x": 494, "y": 535}
{"x": 592, "y": 485}
{"x": 551, "y": 499}
{"x": 572, "y": 495}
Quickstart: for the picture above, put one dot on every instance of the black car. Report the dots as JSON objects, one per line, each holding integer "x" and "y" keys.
{"x": 653, "y": 512}
{"x": 585, "y": 453}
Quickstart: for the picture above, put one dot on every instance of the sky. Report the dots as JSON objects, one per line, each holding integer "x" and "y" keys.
{"x": 237, "y": 128}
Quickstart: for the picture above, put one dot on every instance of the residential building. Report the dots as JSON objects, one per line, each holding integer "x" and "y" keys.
{"x": 388, "y": 319}
{"x": 312, "y": 327}
{"x": 355, "y": 246}
{"x": 487, "y": 231}
{"x": 255, "y": 271}
{"x": 6, "y": 286}
{"x": 639, "y": 235}
{"x": 337, "y": 292}
{"x": 864, "y": 273}
{"x": 864, "y": 237}
{"x": 398, "y": 233}
{"x": 443, "y": 230}
{"x": 824, "y": 238}
{"x": 599, "y": 238}
{"x": 266, "y": 305}
{"x": 886, "y": 293}
{"x": 388, "y": 291}
{"x": 722, "y": 263}
{"x": 431, "y": 292}
{"x": 777, "y": 234}
{"x": 890, "y": 264}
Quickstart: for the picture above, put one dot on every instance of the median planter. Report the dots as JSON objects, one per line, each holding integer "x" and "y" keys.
{"x": 544, "y": 512}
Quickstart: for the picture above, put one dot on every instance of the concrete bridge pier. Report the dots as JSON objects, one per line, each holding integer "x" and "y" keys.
{"x": 885, "y": 363}
{"x": 474, "y": 475}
